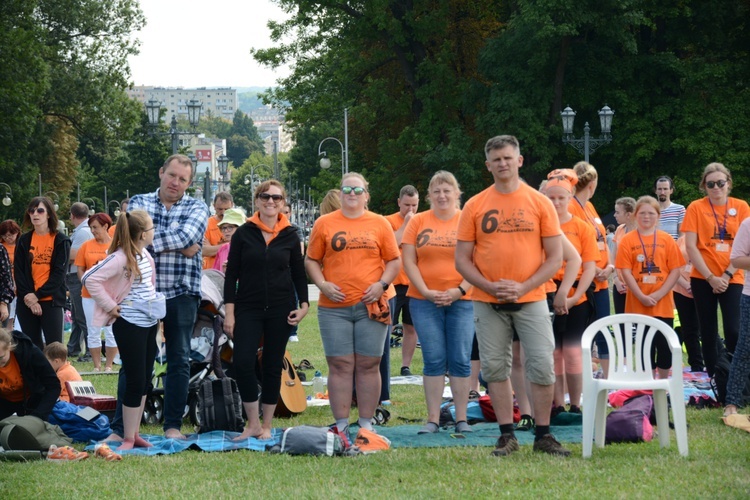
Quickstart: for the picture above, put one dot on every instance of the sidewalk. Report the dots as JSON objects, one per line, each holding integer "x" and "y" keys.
{"x": 313, "y": 293}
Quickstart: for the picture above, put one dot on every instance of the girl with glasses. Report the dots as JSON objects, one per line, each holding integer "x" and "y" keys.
{"x": 40, "y": 265}
{"x": 710, "y": 226}
{"x": 9, "y": 232}
{"x": 352, "y": 258}
{"x": 264, "y": 268}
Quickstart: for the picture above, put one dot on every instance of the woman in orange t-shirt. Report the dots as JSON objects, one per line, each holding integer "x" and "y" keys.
{"x": 440, "y": 301}
{"x": 90, "y": 253}
{"x": 40, "y": 265}
{"x": 572, "y": 307}
{"x": 709, "y": 226}
{"x": 582, "y": 207}
{"x": 650, "y": 263}
{"x": 9, "y": 232}
{"x": 625, "y": 217}
{"x": 352, "y": 258}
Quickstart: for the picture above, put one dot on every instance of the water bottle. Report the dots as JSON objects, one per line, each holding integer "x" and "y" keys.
{"x": 318, "y": 386}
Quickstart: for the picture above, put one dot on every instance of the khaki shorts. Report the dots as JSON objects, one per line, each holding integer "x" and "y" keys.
{"x": 495, "y": 337}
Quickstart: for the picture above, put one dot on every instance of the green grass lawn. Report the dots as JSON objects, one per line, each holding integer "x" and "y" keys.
{"x": 718, "y": 465}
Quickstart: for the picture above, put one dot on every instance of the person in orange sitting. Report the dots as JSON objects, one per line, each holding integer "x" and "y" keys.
{"x": 214, "y": 238}
{"x": 650, "y": 262}
{"x": 57, "y": 355}
{"x": 352, "y": 258}
{"x": 90, "y": 253}
{"x": 572, "y": 307}
{"x": 40, "y": 266}
{"x": 709, "y": 227}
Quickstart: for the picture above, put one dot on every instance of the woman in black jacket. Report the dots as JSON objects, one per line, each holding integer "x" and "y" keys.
{"x": 28, "y": 383}
{"x": 264, "y": 267}
{"x": 40, "y": 266}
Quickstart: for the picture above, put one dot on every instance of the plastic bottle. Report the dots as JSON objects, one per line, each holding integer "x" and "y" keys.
{"x": 318, "y": 386}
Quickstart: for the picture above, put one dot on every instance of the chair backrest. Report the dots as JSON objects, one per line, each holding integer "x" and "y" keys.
{"x": 629, "y": 338}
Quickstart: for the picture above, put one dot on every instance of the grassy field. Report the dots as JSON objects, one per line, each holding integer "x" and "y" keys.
{"x": 718, "y": 465}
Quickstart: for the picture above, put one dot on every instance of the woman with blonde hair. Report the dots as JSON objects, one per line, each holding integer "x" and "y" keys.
{"x": 625, "y": 217}
{"x": 331, "y": 201}
{"x": 710, "y": 225}
{"x": 123, "y": 286}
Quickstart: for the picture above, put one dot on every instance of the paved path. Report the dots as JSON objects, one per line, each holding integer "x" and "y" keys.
{"x": 313, "y": 293}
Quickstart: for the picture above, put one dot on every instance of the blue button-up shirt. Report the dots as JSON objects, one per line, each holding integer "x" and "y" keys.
{"x": 175, "y": 229}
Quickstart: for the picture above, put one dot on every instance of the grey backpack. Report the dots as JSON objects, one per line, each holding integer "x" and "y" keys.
{"x": 220, "y": 406}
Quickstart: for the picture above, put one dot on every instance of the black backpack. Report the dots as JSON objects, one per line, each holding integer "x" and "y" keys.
{"x": 220, "y": 406}
{"x": 721, "y": 378}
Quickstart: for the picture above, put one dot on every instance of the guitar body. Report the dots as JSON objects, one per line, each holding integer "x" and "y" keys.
{"x": 292, "y": 399}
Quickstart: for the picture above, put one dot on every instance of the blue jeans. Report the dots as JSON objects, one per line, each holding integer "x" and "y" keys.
{"x": 178, "y": 329}
{"x": 741, "y": 361}
{"x": 79, "y": 329}
{"x": 446, "y": 335}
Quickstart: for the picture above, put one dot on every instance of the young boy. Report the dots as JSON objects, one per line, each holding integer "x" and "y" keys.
{"x": 57, "y": 355}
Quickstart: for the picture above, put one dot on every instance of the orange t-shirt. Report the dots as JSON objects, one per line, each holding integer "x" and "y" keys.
{"x": 700, "y": 219}
{"x": 621, "y": 231}
{"x": 434, "y": 240}
{"x": 507, "y": 231}
{"x": 353, "y": 253}
{"x": 11, "y": 381}
{"x": 583, "y": 238}
{"x": 90, "y": 253}
{"x": 67, "y": 373}
{"x": 685, "y": 271}
{"x": 396, "y": 222}
{"x": 214, "y": 236}
{"x": 41, "y": 259}
{"x": 589, "y": 214}
{"x": 664, "y": 257}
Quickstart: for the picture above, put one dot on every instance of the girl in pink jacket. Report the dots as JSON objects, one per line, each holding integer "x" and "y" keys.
{"x": 124, "y": 288}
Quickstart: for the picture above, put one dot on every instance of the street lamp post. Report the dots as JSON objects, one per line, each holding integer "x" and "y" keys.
{"x": 117, "y": 208}
{"x": 92, "y": 207}
{"x": 325, "y": 162}
{"x": 223, "y": 162}
{"x": 153, "y": 109}
{"x": 8, "y": 193}
{"x": 587, "y": 145}
{"x": 55, "y": 198}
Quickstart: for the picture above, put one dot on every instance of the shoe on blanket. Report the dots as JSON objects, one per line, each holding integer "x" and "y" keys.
{"x": 104, "y": 451}
{"x": 65, "y": 454}
{"x": 526, "y": 423}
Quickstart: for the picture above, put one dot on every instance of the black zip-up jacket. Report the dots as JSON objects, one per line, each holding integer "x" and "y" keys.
{"x": 40, "y": 383}
{"x": 55, "y": 285}
{"x": 264, "y": 276}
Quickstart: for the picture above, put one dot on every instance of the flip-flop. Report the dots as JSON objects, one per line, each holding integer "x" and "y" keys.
{"x": 305, "y": 365}
{"x": 738, "y": 420}
{"x": 381, "y": 417}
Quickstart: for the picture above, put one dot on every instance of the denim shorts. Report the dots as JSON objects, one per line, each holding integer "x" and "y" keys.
{"x": 446, "y": 335}
{"x": 349, "y": 330}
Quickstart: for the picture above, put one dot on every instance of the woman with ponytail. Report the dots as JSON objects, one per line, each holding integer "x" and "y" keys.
{"x": 124, "y": 288}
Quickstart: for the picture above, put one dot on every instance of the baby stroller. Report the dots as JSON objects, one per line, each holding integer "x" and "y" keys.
{"x": 205, "y": 352}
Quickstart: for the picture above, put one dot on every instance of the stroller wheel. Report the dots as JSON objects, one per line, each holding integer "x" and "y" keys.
{"x": 153, "y": 412}
{"x": 194, "y": 411}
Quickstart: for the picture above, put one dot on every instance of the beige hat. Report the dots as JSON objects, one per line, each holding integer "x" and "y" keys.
{"x": 233, "y": 216}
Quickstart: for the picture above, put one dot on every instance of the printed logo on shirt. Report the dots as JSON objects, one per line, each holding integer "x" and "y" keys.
{"x": 428, "y": 237}
{"x": 495, "y": 221}
{"x": 361, "y": 240}
{"x": 44, "y": 257}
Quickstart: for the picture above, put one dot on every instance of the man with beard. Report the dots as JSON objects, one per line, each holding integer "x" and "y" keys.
{"x": 671, "y": 213}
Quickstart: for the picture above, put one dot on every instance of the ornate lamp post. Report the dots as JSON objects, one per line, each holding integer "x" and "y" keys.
{"x": 153, "y": 109}
{"x": 223, "y": 162}
{"x": 8, "y": 193}
{"x": 92, "y": 206}
{"x": 55, "y": 198}
{"x": 587, "y": 145}
{"x": 117, "y": 208}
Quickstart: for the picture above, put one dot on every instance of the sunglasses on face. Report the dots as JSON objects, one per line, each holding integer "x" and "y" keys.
{"x": 713, "y": 184}
{"x": 275, "y": 197}
{"x": 38, "y": 210}
{"x": 350, "y": 189}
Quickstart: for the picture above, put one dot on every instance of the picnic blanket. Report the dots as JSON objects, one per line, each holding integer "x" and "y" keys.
{"x": 209, "y": 441}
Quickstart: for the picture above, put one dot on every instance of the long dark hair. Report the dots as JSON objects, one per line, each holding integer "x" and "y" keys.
{"x": 49, "y": 206}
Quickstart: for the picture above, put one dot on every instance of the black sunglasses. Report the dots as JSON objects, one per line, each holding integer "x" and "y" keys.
{"x": 275, "y": 197}
{"x": 719, "y": 184}
{"x": 39, "y": 210}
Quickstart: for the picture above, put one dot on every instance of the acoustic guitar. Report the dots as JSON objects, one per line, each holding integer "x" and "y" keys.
{"x": 292, "y": 399}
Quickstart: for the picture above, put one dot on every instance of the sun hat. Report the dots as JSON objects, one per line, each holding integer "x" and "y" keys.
{"x": 233, "y": 216}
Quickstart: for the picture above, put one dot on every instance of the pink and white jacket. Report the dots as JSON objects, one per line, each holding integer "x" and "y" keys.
{"x": 109, "y": 283}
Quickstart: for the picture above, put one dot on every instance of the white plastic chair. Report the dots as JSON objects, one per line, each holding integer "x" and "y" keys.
{"x": 630, "y": 368}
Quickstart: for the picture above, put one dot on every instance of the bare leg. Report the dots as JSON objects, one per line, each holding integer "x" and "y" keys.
{"x": 96, "y": 357}
{"x": 340, "y": 385}
{"x": 368, "y": 385}
{"x": 409, "y": 345}
{"x": 253, "y": 427}
{"x": 460, "y": 390}
{"x": 111, "y": 353}
{"x": 502, "y": 401}
{"x": 268, "y": 411}
{"x": 542, "y": 396}
{"x": 476, "y": 367}
{"x": 433, "y": 394}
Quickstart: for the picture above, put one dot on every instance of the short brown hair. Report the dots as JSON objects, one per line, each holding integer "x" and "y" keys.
{"x": 56, "y": 350}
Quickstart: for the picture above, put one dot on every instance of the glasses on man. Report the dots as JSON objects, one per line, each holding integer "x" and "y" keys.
{"x": 39, "y": 210}
{"x": 275, "y": 197}
{"x": 713, "y": 184}
{"x": 351, "y": 189}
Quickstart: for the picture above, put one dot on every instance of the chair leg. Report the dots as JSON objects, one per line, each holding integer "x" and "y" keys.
{"x": 680, "y": 425}
{"x": 600, "y": 419}
{"x": 662, "y": 416}
{"x": 589, "y": 413}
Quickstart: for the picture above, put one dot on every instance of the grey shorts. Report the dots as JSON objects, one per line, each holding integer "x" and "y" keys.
{"x": 495, "y": 337}
{"x": 349, "y": 330}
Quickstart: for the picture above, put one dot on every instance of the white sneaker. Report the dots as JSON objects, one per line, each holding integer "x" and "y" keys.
{"x": 293, "y": 338}
{"x": 117, "y": 359}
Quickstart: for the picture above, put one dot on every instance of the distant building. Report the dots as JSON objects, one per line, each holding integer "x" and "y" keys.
{"x": 221, "y": 102}
{"x": 270, "y": 124}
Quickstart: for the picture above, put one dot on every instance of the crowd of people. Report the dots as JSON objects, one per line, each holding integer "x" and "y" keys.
{"x": 506, "y": 284}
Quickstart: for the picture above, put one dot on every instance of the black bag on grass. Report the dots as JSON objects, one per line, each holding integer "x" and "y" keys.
{"x": 220, "y": 406}
{"x": 721, "y": 378}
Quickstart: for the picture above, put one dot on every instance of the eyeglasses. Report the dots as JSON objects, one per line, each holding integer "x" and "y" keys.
{"x": 149, "y": 229}
{"x": 275, "y": 197}
{"x": 39, "y": 210}
{"x": 350, "y": 189}
{"x": 713, "y": 184}
{"x": 227, "y": 227}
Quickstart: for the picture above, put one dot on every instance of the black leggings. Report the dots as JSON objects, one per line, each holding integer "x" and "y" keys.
{"x": 250, "y": 326}
{"x": 137, "y": 345}
{"x": 706, "y": 302}
{"x": 689, "y": 331}
{"x": 51, "y": 321}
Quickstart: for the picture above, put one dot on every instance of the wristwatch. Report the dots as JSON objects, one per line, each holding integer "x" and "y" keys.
{"x": 460, "y": 289}
{"x": 385, "y": 285}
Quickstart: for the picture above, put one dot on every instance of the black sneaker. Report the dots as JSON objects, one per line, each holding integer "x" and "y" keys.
{"x": 405, "y": 371}
{"x": 548, "y": 444}
{"x": 506, "y": 444}
{"x": 86, "y": 358}
{"x": 556, "y": 410}
{"x": 525, "y": 424}
{"x": 575, "y": 409}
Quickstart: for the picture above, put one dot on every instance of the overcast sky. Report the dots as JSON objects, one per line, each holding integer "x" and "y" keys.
{"x": 194, "y": 43}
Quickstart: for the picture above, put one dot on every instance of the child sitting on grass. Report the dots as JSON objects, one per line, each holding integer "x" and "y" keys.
{"x": 57, "y": 355}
